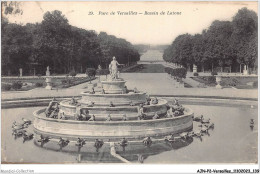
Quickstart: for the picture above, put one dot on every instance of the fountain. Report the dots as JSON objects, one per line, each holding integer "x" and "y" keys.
{"x": 111, "y": 114}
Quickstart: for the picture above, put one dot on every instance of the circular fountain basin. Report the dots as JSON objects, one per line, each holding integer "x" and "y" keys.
{"x": 101, "y": 112}
{"x": 238, "y": 112}
{"x": 111, "y": 130}
{"x": 116, "y": 99}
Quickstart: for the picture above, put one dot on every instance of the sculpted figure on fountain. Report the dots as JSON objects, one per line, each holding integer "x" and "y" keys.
{"x": 52, "y": 106}
{"x": 73, "y": 101}
{"x": 114, "y": 73}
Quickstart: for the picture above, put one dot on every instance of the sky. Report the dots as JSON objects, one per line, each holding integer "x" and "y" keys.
{"x": 192, "y": 17}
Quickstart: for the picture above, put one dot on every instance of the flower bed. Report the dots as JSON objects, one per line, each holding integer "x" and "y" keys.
{"x": 229, "y": 81}
{"x": 207, "y": 80}
{"x": 30, "y": 83}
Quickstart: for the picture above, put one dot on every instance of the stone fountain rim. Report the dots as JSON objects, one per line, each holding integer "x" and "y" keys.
{"x": 163, "y": 102}
{"x": 116, "y": 81}
{"x": 39, "y": 111}
{"x": 86, "y": 93}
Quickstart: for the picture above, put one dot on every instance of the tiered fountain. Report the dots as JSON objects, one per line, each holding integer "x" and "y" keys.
{"x": 111, "y": 113}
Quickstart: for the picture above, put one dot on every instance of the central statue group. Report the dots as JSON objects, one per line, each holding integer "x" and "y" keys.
{"x": 114, "y": 73}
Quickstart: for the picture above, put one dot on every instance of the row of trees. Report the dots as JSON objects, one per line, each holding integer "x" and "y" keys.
{"x": 177, "y": 73}
{"x": 55, "y": 43}
{"x": 224, "y": 43}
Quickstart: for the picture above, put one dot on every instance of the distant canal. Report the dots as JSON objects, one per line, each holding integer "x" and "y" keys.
{"x": 231, "y": 141}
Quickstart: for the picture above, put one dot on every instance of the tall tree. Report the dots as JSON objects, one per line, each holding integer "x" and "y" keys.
{"x": 244, "y": 37}
{"x": 51, "y": 41}
{"x": 15, "y": 49}
{"x": 224, "y": 43}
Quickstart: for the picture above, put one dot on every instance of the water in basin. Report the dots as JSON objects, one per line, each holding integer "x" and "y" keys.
{"x": 231, "y": 141}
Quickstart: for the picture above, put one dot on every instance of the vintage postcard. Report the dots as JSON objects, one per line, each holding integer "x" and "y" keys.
{"x": 129, "y": 83}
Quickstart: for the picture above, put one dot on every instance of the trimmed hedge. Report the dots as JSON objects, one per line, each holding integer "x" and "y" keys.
{"x": 91, "y": 72}
{"x": 195, "y": 74}
{"x": 73, "y": 73}
{"x": 214, "y": 73}
{"x": 178, "y": 73}
{"x": 38, "y": 84}
{"x": 17, "y": 85}
{"x": 6, "y": 87}
{"x": 102, "y": 71}
{"x": 66, "y": 81}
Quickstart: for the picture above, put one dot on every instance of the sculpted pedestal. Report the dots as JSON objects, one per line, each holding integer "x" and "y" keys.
{"x": 114, "y": 87}
{"x": 49, "y": 83}
{"x": 48, "y": 79}
{"x": 218, "y": 80}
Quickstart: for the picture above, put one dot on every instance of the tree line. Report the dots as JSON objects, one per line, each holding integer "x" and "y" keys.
{"x": 62, "y": 47}
{"x": 231, "y": 44}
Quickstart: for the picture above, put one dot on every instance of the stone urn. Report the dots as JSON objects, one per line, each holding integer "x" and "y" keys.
{"x": 218, "y": 80}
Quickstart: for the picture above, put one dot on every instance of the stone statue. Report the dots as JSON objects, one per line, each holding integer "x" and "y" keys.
{"x": 141, "y": 114}
{"x": 155, "y": 101}
{"x": 21, "y": 72}
{"x": 111, "y": 104}
{"x": 55, "y": 111}
{"x": 48, "y": 71}
{"x": 176, "y": 102}
{"x": 156, "y": 116}
{"x": 113, "y": 69}
{"x": 92, "y": 118}
{"x": 53, "y": 105}
{"x": 109, "y": 118}
{"x": 78, "y": 113}
{"x": 62, "y": 116}
{"x": 73, "y": 101}
{"x": 124, "y": 117}
{"x": 92, "y": 91}
{"x": 169, "y": 113}
{"x": 54, "y": 99}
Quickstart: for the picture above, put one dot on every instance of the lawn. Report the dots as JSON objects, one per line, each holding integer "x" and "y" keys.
{"x": 39, "y": 82}
{"x": 147, "y": 68}
{"x": 207, "y": 80}
{"x": 239, "y": 82}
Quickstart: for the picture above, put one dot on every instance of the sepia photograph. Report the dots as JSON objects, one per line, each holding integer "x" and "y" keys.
{"x": 130, "y": 83}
